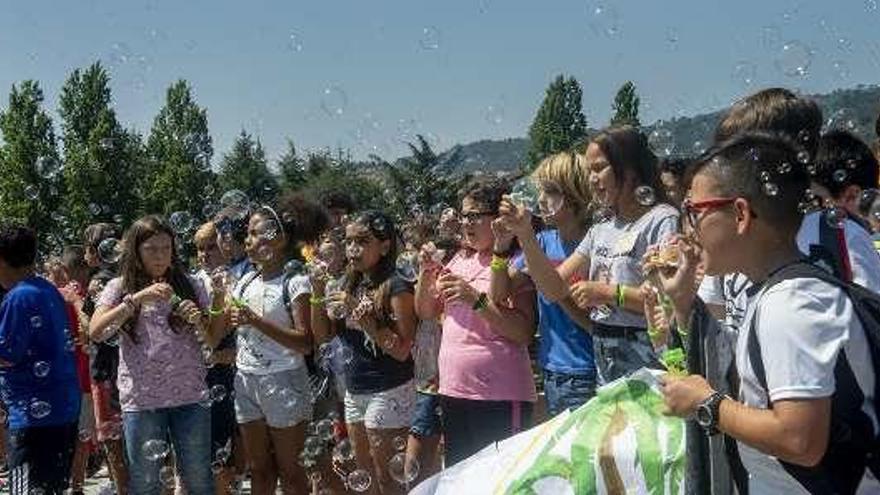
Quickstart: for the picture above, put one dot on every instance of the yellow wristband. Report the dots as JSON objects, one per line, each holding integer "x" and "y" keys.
{"x": 498, "y": 263}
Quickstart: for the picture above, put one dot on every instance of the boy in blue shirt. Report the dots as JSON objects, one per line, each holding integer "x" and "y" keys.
{"x": 38, "y": 382}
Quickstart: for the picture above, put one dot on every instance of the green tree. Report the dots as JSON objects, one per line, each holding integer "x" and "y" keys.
{"x": 292, "y": 169}
{"x": 245, "y": 168}
{"x": 29, "y": 167}
{"x": 421, "y": 181}
{"x": 100, "y": 157}
{"x": 178, "y": 174}
{"x": 626, "y": 106}
{"x": 327, "y": 172}
{"x": 559, "y": 123}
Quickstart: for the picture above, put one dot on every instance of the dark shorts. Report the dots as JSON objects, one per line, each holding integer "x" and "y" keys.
{"x": 426, "y": 420}
{"x": 470, "y": 425}
{"x": 223, "y": 422}
{"x": 566, "y": 391}
{"x": 39, "y": 458}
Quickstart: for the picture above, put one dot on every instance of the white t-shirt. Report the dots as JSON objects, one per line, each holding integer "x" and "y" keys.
{"x": 802, "y": 325}
{"x": 258, "y": 353}
{"x": 863, "y": 256}
{"x": 730, "y": 290}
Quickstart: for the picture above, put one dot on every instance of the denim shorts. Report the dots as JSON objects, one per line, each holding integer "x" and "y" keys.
{"x": 618, "y": 356}
{"x": 426, "y": 419}
{"x": 567, "y": 391}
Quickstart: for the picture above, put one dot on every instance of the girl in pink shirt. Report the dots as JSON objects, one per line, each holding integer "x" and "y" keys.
{"x": 486, "y": 383}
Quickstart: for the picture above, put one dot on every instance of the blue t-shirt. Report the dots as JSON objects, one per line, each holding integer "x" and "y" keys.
{"x": 563, "y": 347}
{"x": 39, "y": 387}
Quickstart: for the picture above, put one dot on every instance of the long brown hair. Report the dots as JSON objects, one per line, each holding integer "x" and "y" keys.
{"x": 382, "y": 227}
{"x": 627, "y": 150}
{"x": 134, "y": 275}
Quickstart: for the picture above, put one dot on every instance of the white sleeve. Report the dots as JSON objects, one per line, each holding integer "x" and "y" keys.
{"x": 711, "y": 290}
{"x": 802, "y": 325}
{"x": 298, "y": 285}
{"x": 863, "y": 257}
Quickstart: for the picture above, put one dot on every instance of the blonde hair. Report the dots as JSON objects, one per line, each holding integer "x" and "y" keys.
{"x": 205, "y": 232}
{"x": 568, "y": 171}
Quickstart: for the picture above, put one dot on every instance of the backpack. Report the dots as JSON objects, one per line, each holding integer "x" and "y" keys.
{"x": 853, "y": 444}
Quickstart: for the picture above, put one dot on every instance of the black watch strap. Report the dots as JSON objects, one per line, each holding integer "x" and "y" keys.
{"x": 709, "y": 410}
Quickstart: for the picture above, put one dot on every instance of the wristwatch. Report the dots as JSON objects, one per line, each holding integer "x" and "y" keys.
{"x": 707, "y": 413}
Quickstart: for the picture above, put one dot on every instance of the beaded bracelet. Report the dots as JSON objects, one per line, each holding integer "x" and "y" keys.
{"x": 481, "y": 303}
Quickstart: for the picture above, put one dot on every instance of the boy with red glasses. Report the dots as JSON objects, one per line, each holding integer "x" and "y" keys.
{"x": 804, "y": 328}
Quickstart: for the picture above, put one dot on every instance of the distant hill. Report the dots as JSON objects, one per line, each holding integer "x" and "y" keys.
{"x": 855, "y": 109}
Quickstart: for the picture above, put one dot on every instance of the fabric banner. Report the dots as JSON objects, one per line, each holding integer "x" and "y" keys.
{"x": 617, "y": 443}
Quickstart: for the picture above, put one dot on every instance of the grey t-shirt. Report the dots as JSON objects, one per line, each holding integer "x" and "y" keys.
{"x": 615, "y": 249}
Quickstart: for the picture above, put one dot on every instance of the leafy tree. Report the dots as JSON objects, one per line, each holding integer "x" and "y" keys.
{"x": 292, "y": 169}
{"x": 178, "y": 175}
{"x": 328, "y": 172}
{"x": 100, "y": 157}
{"x": 245, "y": 168}
{"x": 421, "y": 181}
{"x": 560, "y": 122}
{"x": 29, "y": 167}
{"x": 626, "y": 106}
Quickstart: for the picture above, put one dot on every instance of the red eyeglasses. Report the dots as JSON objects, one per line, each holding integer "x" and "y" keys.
{"x": 694, "y": 210}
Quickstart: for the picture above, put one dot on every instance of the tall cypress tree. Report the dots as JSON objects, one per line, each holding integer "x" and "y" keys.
{"x": 100, "y": 164}
{"x": 626, "y": 106}
{"x": 30, "y": 178}
{"x": 559, "y": 123}
{"x": 245, "y": 168}
{"x": 178, "y": 175}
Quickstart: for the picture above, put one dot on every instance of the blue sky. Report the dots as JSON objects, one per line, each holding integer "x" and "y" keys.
{"x": 367, "y": 75}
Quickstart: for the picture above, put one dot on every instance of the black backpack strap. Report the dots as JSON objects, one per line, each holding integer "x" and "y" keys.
{"x": 843, "y": 464}
{"x": 831, "y": 250}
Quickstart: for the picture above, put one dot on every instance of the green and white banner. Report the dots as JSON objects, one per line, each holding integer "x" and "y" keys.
{"x": 617, "y": 443}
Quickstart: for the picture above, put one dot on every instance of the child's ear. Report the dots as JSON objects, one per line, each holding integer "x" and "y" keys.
{"x": 744, "y": 216}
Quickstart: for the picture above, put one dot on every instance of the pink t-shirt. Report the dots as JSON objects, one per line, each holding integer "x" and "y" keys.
{"x": 475, "y": 362}
{"x": 163, "y": 368}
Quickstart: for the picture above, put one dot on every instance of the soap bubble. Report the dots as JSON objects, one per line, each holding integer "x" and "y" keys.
{"x": 36, "y": 321}
{"x": 181, "y": 221}
{"x": 604, "y": 20}
{"x": 794, "y": 59}
{"x": 94, "y": 209}
{"x": 47, "y": 167}
{"x": 803, "y": 157}
{"x": 39, "y": 409}
{"x": 784, "y": 168}
{"x": 661, "y": 141}
{"x": 402, "y": 471}
{"x": 839, "y": 175}
{"x": 770, "y": 189}
{"x": 234, "y": 197}
{"x": 294, "y": 42}
{"x": 155, "y": 450}
{"x": 41, "y": 369}
{"x": 218, "y": 393}
{"x": 399, "y": 443}
{"x": 166, "y": 476}
{"x": 835, "y": 217}
{"x": 842, "y": 119}
{"x": 407, "y": 266}
{"x": 31, "y": 192}
{"x": 430, "y": 39}
{"x": 524, "y": 194}
{"x": 744, "y": 73}
{"x": 108, "y": 251}
{"x": 645, "y": 196}
{"x": 344, "y": 451}
{"x": 359, "y": 480}
{"x": 333, "y": 101}
{"x": 600, "y": 313}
